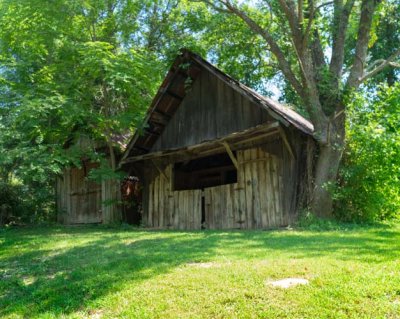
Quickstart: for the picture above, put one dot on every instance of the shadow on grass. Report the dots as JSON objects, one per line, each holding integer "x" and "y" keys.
{"x": 36, "y": 281}
{"x": 55, "y": 282}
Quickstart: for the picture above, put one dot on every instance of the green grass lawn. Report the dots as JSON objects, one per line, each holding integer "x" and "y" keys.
{"x": 95, "y": 272}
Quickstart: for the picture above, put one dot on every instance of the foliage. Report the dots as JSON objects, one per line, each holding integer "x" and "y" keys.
{"x": 20, "y": 204}
{"x": 370, "y": 177}
{"x": 308, "y": 221}
{"x": 67, "y": 72}
{"x": 87, "y": 272}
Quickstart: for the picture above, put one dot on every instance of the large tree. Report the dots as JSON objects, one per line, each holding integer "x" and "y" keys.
{"x": 70, "y": 68}
{"x": 322, "y": 50}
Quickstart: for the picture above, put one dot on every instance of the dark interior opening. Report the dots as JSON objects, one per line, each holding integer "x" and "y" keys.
{"x": 131, "y": 193}
{"x": 205, "y": 172}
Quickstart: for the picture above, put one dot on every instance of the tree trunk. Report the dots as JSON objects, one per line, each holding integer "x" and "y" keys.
{"x": 326, "y": 169}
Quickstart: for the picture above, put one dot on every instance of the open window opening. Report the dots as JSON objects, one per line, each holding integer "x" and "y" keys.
{"x": 205, "y": 172}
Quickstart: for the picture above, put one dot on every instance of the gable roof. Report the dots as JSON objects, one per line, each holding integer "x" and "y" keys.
{"x": 183, "y": 72}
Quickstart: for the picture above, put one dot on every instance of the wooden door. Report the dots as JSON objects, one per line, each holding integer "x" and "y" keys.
{"x": 85, "y": 197}
{"x": 187, "y": 209}
{"x": 255, "y": 201}
{"x": 222, "y": 207}
{"x": 261, "y": 177}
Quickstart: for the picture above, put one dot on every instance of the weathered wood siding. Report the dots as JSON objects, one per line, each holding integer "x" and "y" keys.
{"x": 172, "y": 209}
{"x": 254, "y": 202}
{"x": 78, "y": 200}
{"x": 211, "y": 109}
{"x": 110, "y": 195}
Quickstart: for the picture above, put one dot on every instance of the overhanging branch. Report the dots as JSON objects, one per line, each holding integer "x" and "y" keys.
{"x": 379, "y": 65}
{"x": 284, "y": 65}
{"x": 364, "y": 29}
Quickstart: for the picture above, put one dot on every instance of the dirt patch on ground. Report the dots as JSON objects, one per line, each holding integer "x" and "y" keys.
{"x": 204, "y": 264}
{"x": 288, "y": 282}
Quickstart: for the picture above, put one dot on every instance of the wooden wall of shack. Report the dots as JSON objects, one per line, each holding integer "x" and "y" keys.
{"x": 81, "y": 201}
{"x": 269, "y": 190}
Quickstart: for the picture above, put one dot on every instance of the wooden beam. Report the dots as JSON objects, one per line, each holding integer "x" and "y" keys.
{"x": 252, "y": 139}
{"x": 160, "y": 170}
{"x": 140, "y": 148}
{"x": 263, "y": 131}
{"x": 231, "y": 155}
{"x": 286, "y": 142}
{"x": 151, "y": 132}
{"x": 175, "y": 96}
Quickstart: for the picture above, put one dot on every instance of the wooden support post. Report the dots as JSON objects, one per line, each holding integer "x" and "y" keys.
{"x": 286, "y": 142}
{"x": 160, "y": 170}
{"x": 231, "y": 155}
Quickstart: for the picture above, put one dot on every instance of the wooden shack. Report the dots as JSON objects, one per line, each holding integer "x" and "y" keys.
{"x": 80, "y": 200}
{"x": 215, "y": 154}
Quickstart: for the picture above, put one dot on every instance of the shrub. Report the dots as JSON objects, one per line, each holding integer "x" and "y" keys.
{"x": 369, "y": 185}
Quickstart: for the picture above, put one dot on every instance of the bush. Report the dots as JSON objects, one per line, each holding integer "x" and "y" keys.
{"x": 369, "y": 184}
{"x": 26, "y": 203}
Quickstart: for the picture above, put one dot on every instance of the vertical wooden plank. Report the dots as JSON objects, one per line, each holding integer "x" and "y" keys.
{"x": 274, "y": 192}
{"x": 213, "y": 207}
{"x": 209, "y": 208}
{"x": 222, "y": 207}
{"x": 185, "y": 209}
{"x": 284, "y": 208}
{"x": 162, "y": 191}
{"x": 279, "y": 212}
{"x": 206, "y": 208}
{"x": 182, "y": 210}
{"x": 197, "y": 209}
{"x": 223, "y": 215}
{"x": 262, "y": 189}
{"x": 248, "y": 190}
{"x": 236, "y": 193}
{"x": 217, "y": 206}
{"x": 178, "y": 214}
{"x": 270, "y": 193}
{"x": 68, "y": 194}
{"x": 189, "y": 209}
{"x": 229, "y": 206}
{"x": 256, "y": 194}
{"x": 156, "y": 201}
{"x": 241, "y": 198}
{"x": 197, "y": 214}
{"x": 176, "y": 210}
{"x": 170, "y": 210}
{"x": 151, "y": 204}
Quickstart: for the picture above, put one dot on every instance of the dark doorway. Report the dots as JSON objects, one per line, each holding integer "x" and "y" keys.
{"x": 131, "y": 191}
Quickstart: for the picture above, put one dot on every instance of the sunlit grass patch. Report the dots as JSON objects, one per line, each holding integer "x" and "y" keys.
{"x": 96, "y": 272}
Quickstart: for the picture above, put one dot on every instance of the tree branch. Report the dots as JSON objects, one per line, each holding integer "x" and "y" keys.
{"x": 311, "y": 17}
{"x": 213, "y": 5}
{"x": 300, "y": 12}
{"x": 315, "y": 45}
{"x": 381, "y": 65}
{"x": 364, "y": 28}
{"x": 273, "y": 46}
{"x": 291, "y": 16}
{"x": 341, "y": 22}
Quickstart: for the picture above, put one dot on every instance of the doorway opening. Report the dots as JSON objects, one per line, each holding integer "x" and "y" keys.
{"x": 204, "y": 172}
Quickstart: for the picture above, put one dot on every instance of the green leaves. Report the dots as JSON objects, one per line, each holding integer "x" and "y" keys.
{"x": 68, "y": 71}
{"x": 370, "y": 177}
